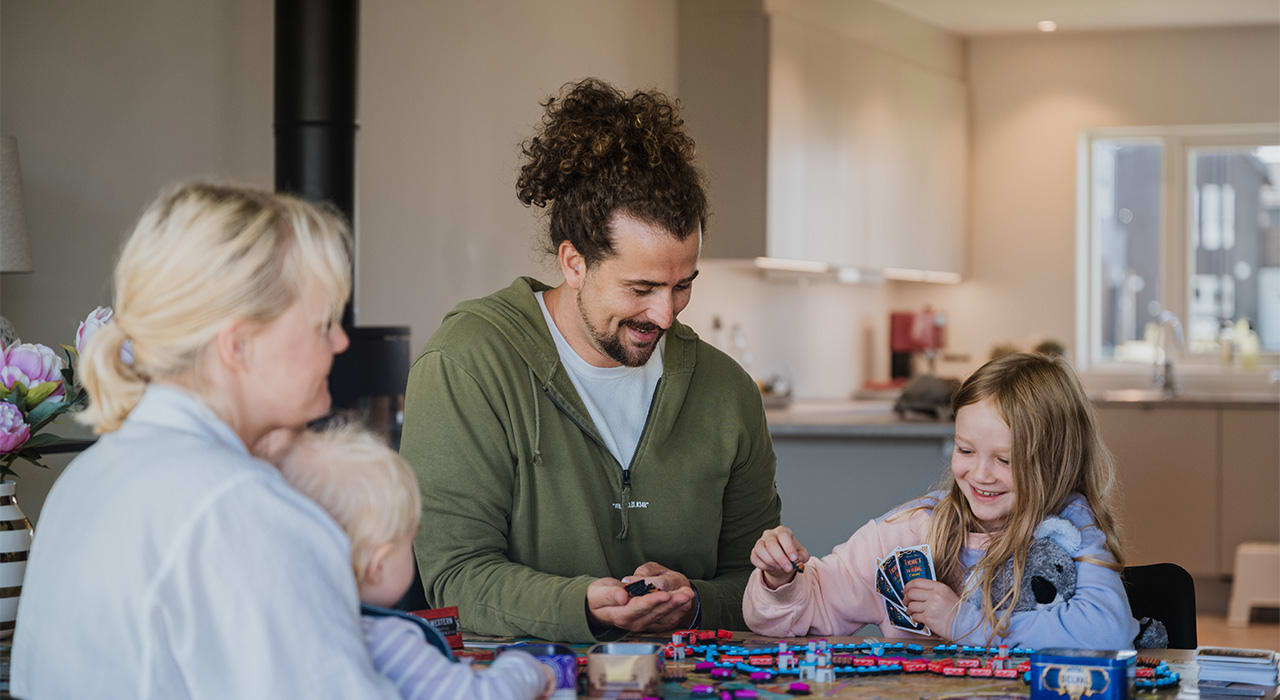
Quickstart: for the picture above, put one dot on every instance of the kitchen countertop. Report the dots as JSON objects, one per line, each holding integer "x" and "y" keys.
{"x": 1152, "y": 398}
{"x": 832, "y": 418}
{"x": 851, "y": 419}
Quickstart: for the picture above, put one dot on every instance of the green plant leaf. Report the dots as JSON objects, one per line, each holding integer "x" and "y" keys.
{"x": 41, "y": 440}
{"x": 45, "y": 412}
{"x": 33, "y": 458}
{"x": 40, "y": 392}
{"x": 14, "y": 396}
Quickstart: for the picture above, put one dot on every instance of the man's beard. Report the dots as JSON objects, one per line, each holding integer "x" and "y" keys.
{"x": 612, "y": 344}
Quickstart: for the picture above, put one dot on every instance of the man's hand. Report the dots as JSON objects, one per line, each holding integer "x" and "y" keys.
{"x": 931, "y": 603}
{"x": 669, "y": 606}
{"x": 776, "y": 555}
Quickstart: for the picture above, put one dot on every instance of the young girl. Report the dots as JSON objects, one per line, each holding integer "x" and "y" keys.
{"x": 1026, "y": 448}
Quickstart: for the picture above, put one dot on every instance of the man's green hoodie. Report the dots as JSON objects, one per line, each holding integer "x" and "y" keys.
{"x": 523, "y": 506}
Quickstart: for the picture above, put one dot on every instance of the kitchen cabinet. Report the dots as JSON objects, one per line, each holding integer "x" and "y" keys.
{"x": 1167, "y": 466}
{"x": 1250, "y": 480}
{"x": 1194, "y": 479}
{"x": 818, "y": 146}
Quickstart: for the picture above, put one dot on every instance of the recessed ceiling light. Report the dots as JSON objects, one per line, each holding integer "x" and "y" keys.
{"x": 1047, "y": 25}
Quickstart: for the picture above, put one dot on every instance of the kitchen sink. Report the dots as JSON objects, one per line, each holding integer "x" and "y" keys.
{"x": 1135, "y": 395}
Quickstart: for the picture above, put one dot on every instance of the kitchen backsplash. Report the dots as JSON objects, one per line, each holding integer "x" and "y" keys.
{"x": 823, "y": 337}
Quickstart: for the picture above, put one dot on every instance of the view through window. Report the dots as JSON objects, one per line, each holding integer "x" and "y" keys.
{"x": 1184, "y": 226}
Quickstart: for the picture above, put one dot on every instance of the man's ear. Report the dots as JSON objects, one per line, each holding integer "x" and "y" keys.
{"x": 572, "y": 265}
{"x": 373, "y": 571}
{"x": 233, "y": 343}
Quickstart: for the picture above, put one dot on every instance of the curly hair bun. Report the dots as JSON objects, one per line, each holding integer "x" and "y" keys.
{"x": 598, "y": 151}
{"x": 594, "y": 129}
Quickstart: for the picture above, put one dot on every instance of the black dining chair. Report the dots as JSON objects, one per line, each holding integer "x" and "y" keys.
{"x": 1164, "y": 592}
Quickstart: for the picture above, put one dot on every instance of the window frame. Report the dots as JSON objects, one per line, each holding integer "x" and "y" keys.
{"x": 1176, "y": 261}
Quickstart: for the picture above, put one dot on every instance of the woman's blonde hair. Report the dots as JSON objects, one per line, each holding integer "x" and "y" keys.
{"x": 200, "y": 257}
{"x": 364, "y": 485}
{"x": 1056, "y": 452}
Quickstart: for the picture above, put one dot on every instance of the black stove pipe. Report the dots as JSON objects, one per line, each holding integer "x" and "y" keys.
{"x": 317, "y": 45}
{"x": 316, "y": 52}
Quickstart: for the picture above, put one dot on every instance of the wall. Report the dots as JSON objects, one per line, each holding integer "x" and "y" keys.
{"x": 1031, "y": 94}
{"x": 825, "y": 338}
{"x": 110, "y": 101}
{"x": 448, "y": 90}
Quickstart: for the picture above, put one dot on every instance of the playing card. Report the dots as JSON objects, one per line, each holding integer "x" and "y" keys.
{"x": 883, "y": 587}
{"x": 915, "y": 562}
{"x": 889, "y": 565}
{"x": 900, "y": 620}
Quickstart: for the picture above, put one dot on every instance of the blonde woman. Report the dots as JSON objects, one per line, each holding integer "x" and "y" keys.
{"x": 169, "y": 561}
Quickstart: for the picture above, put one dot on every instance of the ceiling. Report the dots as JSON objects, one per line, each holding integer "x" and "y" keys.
{"x": 976, "y": 17}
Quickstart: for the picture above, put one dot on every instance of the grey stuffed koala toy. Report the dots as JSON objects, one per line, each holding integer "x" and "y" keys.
{"x": 1049, "y": 578}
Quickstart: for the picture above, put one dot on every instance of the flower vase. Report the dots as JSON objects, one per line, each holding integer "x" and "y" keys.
{"x": 15, "y": 545}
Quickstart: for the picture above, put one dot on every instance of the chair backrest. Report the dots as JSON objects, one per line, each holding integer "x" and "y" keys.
{"x": 1167, "y": 593}
{"x": 434, "y": 638}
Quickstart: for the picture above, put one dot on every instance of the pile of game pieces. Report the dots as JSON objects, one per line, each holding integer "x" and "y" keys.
{"x": 893, "y": 573}
{"x": 818, "y": 661}
{"x": 1155, "y": 674}
{"x": 639, "y": 588}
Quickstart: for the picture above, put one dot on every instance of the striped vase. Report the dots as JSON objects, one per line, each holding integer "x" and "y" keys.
{"x": 15, "y": 544}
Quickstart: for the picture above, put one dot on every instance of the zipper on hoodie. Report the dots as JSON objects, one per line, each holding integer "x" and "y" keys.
{"x": 624, "y": 504}
{"x": 626, "y": 471}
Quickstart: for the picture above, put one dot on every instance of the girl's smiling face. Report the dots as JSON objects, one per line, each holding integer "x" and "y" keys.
{"x": 980, "y": 462}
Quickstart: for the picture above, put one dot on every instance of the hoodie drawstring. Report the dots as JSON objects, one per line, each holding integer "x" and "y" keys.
{"x": 537, "y": 423}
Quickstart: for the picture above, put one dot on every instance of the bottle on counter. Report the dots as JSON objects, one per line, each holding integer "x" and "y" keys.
{"x": 1226, "y": 344}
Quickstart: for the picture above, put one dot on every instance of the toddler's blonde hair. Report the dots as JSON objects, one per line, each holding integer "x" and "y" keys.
{"x": 361, "y": 482}
{"x": 200, "y": 257}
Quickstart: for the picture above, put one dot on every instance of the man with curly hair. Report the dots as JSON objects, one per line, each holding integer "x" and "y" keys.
{"x": 572, "y": 440}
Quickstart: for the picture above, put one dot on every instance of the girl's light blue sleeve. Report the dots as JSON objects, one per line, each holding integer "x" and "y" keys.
{"x": 1097, "y": 616}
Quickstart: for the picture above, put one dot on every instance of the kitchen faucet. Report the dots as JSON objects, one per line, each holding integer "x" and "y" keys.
{"x": 1162, "y": 367}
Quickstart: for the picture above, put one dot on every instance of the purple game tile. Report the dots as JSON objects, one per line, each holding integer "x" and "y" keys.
{"x": 703, "y": 667}
{"x": 744, "y": 693}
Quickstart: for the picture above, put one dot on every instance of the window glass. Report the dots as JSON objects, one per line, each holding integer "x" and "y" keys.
{"x": 1126, "y": 204}
{"x": 1234, "y": 235}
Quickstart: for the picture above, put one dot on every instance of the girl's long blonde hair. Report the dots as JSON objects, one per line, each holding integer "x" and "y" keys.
{"x": 1056, "y": 452}
{"x": 200, "y": 257}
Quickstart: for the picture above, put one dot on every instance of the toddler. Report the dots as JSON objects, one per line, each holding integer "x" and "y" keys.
{"x": 373, "y": 495}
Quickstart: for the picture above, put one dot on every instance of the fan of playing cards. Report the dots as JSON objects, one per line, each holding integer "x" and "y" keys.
{"x": 903, "y": 565}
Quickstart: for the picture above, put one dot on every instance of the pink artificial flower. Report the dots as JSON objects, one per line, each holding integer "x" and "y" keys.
{"x": 32, "y": 364}
{"x": 14, "y": 431}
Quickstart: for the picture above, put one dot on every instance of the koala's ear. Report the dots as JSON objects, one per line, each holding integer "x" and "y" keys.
{"x": 1060, "y": 531}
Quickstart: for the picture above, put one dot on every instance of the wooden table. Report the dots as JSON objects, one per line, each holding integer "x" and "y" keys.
{"x": 893, "y": 686}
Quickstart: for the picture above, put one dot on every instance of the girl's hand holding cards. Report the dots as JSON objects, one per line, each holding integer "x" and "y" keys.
{"x": 778, "y": 556}
{"x": 931, "y": 603}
